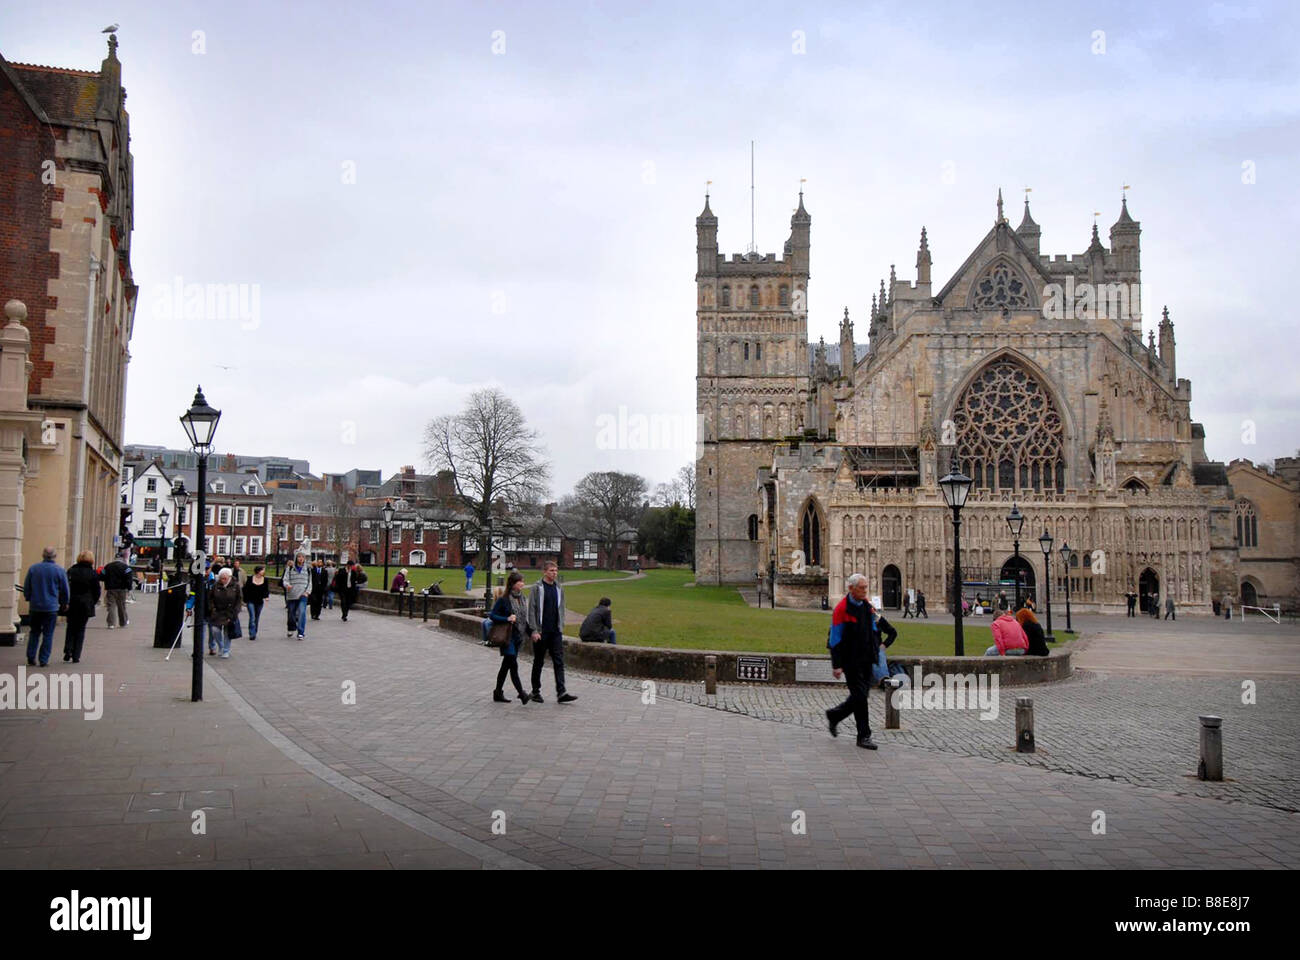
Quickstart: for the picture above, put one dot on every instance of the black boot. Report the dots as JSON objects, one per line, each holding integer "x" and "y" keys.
{"x": 499, "y": 697}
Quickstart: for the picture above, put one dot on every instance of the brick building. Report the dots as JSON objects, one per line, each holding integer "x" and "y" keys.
{"x": 66, "y": 189}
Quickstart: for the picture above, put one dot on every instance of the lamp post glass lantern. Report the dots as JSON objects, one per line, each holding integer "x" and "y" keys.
{"x": 200, "y": 423}
{"x": 387, "y": 511}
{"x": 163, "y": 517}
{"x": 1045, "y": 543}
{"x": 1067, "y": 561}
{"x": 1016, "y": 522}
{"x": 956, "y": 488}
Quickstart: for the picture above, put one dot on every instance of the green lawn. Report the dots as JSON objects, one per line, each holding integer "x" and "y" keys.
{"x": 661, "y": 611}
{"x": 453, "y": 581}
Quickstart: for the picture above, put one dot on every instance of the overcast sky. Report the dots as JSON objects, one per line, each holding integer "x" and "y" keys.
{"x": 525, "y": 179}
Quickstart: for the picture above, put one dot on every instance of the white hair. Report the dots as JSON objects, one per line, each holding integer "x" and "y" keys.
{"x": 854, "y": 579}
{"x": 225, "y": 573}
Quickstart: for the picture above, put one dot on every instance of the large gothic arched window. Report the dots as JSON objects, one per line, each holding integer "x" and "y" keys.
{"x": 1247, "y": 524}
{"x": 1009, "y": 432}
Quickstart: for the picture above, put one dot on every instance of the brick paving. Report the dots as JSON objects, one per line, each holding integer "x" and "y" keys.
{"x": 607, "y": 782}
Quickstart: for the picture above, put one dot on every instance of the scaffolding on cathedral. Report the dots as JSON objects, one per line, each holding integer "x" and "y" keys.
{"x": 889, "y": 466}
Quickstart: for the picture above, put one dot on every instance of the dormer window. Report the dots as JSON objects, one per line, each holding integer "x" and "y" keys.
{"x": 218, "y": 486}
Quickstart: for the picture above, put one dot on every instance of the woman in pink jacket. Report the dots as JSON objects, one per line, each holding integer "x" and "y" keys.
{"x": 1009, "y": 638}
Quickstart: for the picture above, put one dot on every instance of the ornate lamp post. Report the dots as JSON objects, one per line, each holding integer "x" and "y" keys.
{"x": 387, "y": 511}
{"x": 181, "y": 497}
{"x": 163, "y": 517}
{"x": 956, "y": 487}
{"x": 1067, "y": 560}
{"x": 1016, "y": 521}
{"x": 487, "y": 566}
{"x": 200, "y": 423}
{"x": 1045, "y": 542}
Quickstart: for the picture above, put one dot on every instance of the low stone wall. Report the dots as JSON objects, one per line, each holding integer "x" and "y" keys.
{"x": 399, "y": 604}
{"x": 661, "y": 663}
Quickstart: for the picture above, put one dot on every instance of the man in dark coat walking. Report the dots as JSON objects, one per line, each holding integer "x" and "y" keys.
{"x": 853, "y": 643}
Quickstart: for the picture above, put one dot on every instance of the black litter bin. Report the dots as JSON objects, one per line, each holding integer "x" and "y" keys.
{"x": 170, "y": 619}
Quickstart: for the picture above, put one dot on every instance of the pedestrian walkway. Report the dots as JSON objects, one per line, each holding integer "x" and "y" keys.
{"x": 618, "y": 779}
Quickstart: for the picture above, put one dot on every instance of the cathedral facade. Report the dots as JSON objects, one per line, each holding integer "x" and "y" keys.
{"x": 1026, "y": 372}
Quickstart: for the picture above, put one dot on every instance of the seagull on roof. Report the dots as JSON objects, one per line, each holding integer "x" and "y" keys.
{"x": 112, "y": 29}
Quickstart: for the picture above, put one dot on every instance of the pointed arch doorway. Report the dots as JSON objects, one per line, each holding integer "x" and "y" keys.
{"x": 891, "y": 588}
{"x": 1021, "y": 571}
{"x": 1149, "y": 591}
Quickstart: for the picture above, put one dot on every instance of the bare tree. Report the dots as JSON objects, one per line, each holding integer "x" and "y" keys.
{"x": 612, "y": 503}
{"x": 680, "y": 489}
{"x": 347, "y": 523}
{"x": 491, "y": 452}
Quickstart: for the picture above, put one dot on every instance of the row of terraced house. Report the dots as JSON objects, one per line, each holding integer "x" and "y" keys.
{"x": 264, "y": 508}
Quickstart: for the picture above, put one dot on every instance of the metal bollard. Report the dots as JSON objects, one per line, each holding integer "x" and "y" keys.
{"x": 892, "y": 717}
{"x": 1025, "y": 725}
{"x": 410, "y": 603}
{"x": 710, "y": 674}
{"x": 426, "y": 608}
{"x": 1211, "y": 765}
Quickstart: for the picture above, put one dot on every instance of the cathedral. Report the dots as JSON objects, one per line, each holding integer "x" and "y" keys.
{"x": 1026, "y": 372}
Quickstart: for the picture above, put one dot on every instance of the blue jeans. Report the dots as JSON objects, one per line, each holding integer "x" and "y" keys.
{"x": 42, "y": 632}
{"x": 217, "y": 639}
{"x": 611, "y": 637}
{"x": 329, "y": 600}
{"x": 298, "y": 615}
{"x": 487, "y": 627}
{"x": 469, "y": 584}
{"x": 254, "y": 615}
{"x": 993, "y": 652}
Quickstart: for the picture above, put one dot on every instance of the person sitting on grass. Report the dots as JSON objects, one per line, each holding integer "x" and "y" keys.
{"x": 1009, "y": 639}
{"x": 599, "y": 625}
{"x": 1033, "y": 631}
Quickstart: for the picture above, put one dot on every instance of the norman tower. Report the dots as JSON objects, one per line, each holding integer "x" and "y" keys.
{"x": 752, "y": 387}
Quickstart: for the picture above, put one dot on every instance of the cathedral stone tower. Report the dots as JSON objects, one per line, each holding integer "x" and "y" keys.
{"x": 752, "y": 388}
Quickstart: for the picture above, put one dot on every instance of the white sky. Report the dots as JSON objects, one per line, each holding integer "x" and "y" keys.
{"x": 526, "y": 219}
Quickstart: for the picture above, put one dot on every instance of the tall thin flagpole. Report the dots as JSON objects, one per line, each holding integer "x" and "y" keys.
{"x": 753, "y": 242}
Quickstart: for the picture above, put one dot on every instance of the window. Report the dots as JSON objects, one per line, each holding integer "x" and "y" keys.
{"x": 241, "y": 545}
{"x": 1008, "y": 429}
{"x": 218, "y": 486}
{"x": 223, "y": 545}
{"x": 282, "y": 531}
{"x": 444, "y": 535}
{"x": 1247, "y": 524}
{"x": 315, "y": 531}
{"x": 149, "y": 528}
{"x": 207, "y": 516}
{"x": 396, "y": 533}
{"x": 419, "y": 534}
{"x": 241, "y": 516}
{"x": 746, "y": 351}
{"x": 291, "y": 507}
{"x": 812, "y": 536}
{"x": 726, "y": 296}
{"x": 758, "y": 351}
{"x": 442, "y": 558}
{"x": 1000, "y": 289}
{"x": 753, "y": 295}
{"x": 297, "y": 531}
{"x": 151, "y": 485}
{"x": 150, "y": 504}
{"x": 753, "y": 526}
{"x": 331, "y": 534}
{"x": 365, "y": 524}
{"x": 784, "y": 295}
{"x": 395, "y": 555}
{"x": 255, "y": 546}
{"x": 257, "y": 518}
{"x": 207, "y": 545}
{"x": 223, "y": 514}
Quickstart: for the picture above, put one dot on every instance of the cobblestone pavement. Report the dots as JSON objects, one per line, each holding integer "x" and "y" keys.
{"x": 612, "y": 781}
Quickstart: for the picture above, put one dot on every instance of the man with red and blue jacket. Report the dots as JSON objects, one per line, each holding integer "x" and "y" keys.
{"x": 854, "y": 645}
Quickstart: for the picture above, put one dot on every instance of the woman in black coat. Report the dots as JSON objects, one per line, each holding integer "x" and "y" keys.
{"x": 511, "y": 608}
{"x": 1034, "y": 631}
{"x": 83, "y": 596}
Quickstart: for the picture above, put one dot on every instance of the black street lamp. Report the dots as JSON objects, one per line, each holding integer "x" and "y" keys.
{"x": 387, "y": 511}
{"x": 956, "y": 487}
{"x": 1067, "y": 560}
{"x": 487, "y": 565}
{"x": 181, "y": 497}
{"x": 1016, "y": 521}
{"x": 163, "y": 517}
{"x": 1045, "y": 542}
{"x": 200, "y": 423}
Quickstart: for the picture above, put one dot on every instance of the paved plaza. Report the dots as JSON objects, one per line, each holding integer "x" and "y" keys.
{"x": 424, "y": 770}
